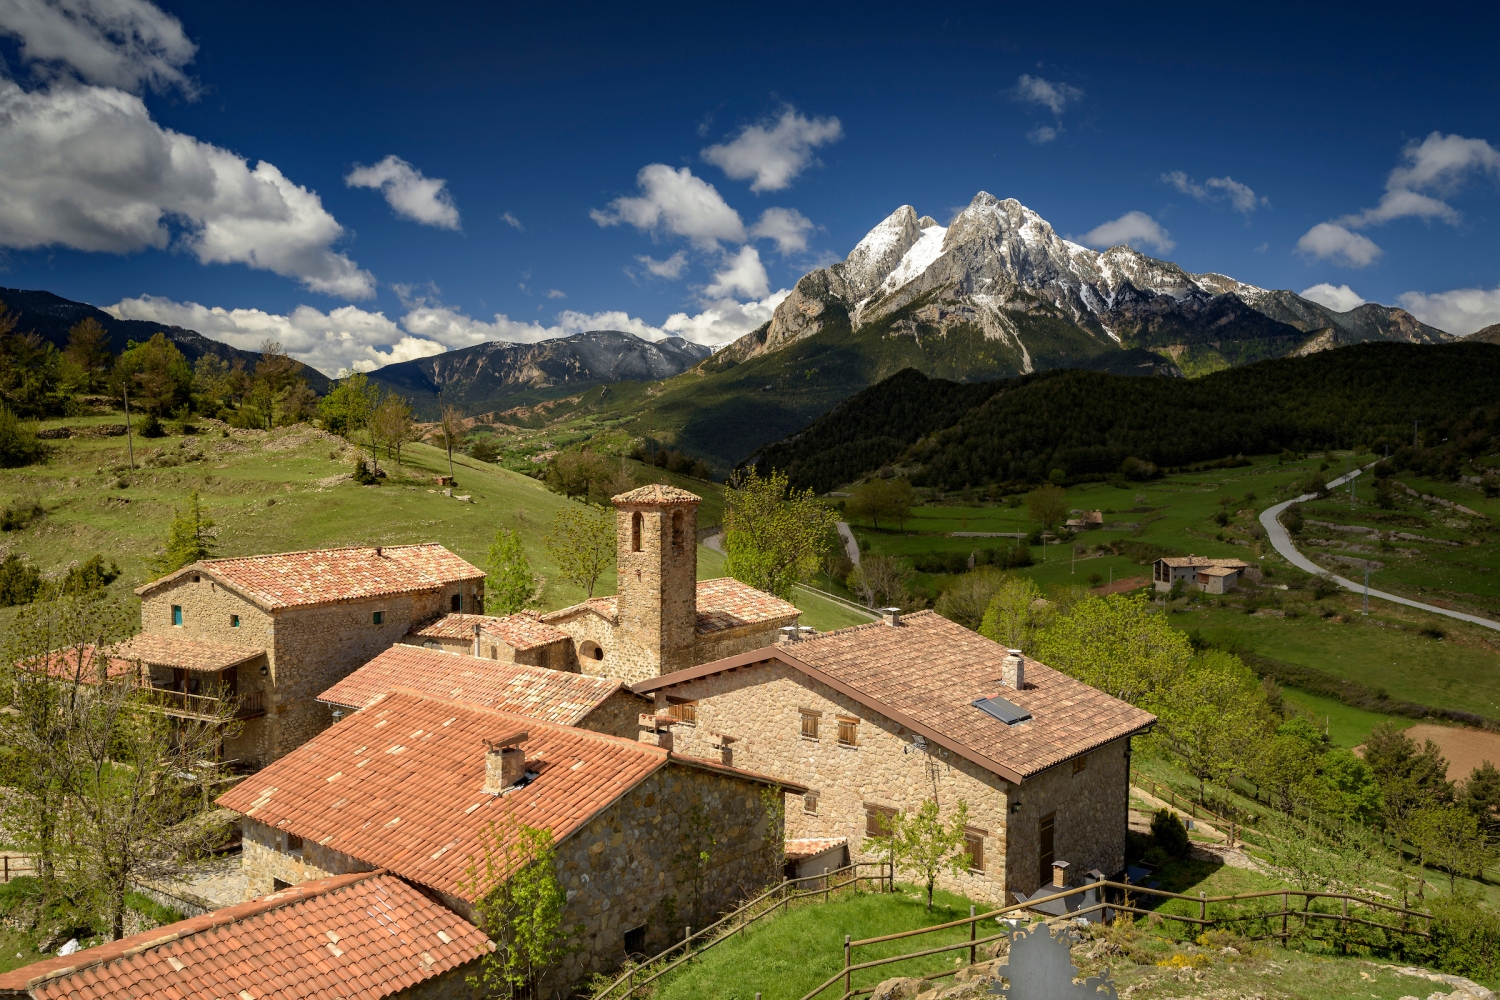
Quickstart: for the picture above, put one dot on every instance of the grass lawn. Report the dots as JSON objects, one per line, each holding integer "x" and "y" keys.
{"x": 785, "y": 956}
{"x": 1346, "y": 726}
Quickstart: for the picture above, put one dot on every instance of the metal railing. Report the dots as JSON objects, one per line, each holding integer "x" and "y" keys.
{"x": 201, "y": 706}
{"x": 774, "y": 900}
{"x": 1124, "y": 905}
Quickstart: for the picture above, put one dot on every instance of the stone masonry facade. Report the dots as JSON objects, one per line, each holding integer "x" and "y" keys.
{"x": 758, "y": 713}
{"x": 657, "y": 567}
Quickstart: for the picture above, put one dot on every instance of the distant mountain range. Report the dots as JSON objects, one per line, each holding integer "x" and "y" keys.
{"x": 52, "y": 316}
{"x": 500, "y": 375}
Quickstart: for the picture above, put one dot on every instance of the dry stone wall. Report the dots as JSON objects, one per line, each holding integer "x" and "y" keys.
{"x": 266, "y": 857}
{"x": 618, "y": 715}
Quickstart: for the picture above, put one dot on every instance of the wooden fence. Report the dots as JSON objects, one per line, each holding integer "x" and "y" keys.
{"x": 1292, "y": 923}
{"x": 774, "y": 900}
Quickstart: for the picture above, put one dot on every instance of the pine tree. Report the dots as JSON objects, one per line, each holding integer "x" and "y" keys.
{"x": 188, "y": 539}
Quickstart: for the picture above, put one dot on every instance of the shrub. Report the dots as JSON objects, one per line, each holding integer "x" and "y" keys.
{"x": 363, "y": 475}
{"x": 484, "y": 449}
{"x": 19, "y": 444}
{"x": 150, "y": 427}
{"x": 20, "y": 582}
{"x": 1465, "y": 939}
{"x": 1291, "y": 519}
{"x": 90, "y": 575}
{"x": 18, "y": 515}
{"x": 1169, "y": 833}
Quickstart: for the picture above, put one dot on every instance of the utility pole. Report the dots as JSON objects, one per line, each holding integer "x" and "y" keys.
{"x": 129, "y": 435}
{"x": 1414, "y": 425}
{"x": 1367, "y": 589}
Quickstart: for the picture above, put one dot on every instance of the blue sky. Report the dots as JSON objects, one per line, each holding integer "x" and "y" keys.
{"x": 375, "y": 182}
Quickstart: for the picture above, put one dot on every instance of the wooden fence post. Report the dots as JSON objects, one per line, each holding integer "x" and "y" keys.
{"x": 972, "y": 924}
{"x": 1286, "y": 907}
{"x": 1203, "y": 906}
{"x": 848, "y": 976}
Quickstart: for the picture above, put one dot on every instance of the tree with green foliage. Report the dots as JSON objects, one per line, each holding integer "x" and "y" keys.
{"x": 88, "y": 577}
{"x": 922, "y": 844}
{"x": 966, "y": 600}
{"x": 1016, "y": 614}
{"x": 347, "y": 407}
{"x": 1214, "y": 712}
{"x": 20, "y": 581}
{"x": 159, "y": 376}
{"x": 1118, "y": 644}
{"x": 875, "y": 498}
{"x": 582, "y": 543}
{"x": 1450, "y": 838}
{"x": 520, "y": 907}
{"x": 19, "y": 444}
{"x": 587, "y": 475}
{"x": 1411, "y": 778}
{"x": 510, "y": 585}
{"x": 393, "y": 424}
{"x": 774, "y": 537}
{"x": 189, "y": 538}
{"x": 1047, "y": 505}
{"x": 88, "y": 354}
{"x": 1481, "y": 796}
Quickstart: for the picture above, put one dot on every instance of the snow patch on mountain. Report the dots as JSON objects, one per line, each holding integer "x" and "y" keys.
{"x": 917, "y": 260}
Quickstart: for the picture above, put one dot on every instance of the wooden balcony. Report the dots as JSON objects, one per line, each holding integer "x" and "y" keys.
{"x": 250, "y": 705}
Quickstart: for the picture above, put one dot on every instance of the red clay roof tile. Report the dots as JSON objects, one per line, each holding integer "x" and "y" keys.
{"x": 657, "y": 493}
{"x": 160, "y": 650}
{"x": 519, "y": 632}
{"x": 723, "y": 603}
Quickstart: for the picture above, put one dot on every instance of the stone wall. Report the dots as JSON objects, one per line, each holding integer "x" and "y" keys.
{"x": 631, "y": 866}
{"x": 658, "y": 589}
{"x": 451, "y": 985}
{"x": 734, "y": 641}
{"x": 265, "y": 857}
{"x": 586, "y": 626}
{"x": 618, "y": 715}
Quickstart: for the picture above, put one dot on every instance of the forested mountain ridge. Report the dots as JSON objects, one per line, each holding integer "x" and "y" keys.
{"x": 499, "y": 375}
{"x": 52, "y": 316}
{"x": 1018, "y": 430}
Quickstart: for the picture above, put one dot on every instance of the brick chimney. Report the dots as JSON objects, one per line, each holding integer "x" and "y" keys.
{"x": 1060, "y": 874}
{"x": 1013, "y": 670}
{"x": 892, "y": 616}
{"x": 504, "y": 763}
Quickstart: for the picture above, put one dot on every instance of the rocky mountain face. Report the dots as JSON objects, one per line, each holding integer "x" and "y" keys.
{"x": 52, "y": 316}
{"x": 499, "y": 375}
{"x": 1489, "y": 335}
{"x": 1000, "y": 270}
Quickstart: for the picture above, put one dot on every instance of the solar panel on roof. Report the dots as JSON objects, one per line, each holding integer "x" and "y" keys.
{"x": 1005, "y": 711}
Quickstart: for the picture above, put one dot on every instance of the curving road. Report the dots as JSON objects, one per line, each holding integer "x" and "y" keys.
{"x": 1282, "y": 543}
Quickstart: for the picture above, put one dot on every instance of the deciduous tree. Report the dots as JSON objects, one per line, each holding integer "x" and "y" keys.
{"x": 1047, "y": 505}
{"x": 520, "y": 907}
{"x": 1117, "y": 644}
{"x": 582, "y": 543}
{"x": 922, "y": 844}
{"x": 510, "y": 585}
{"x": 774, "y": 537}
{"x": 1016, "y": 615}
{"x": 89, "y": 354}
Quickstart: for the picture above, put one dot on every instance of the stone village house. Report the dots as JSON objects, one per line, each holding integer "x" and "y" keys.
{"x": 1212, "y": 576}
{"x": 647, "y": 841}
{"x": 367, "y": 934}
{"x": 274, "y": 631}
{"x": 878, "y": 718}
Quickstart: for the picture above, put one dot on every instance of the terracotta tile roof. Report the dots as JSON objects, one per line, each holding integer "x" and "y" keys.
{"x": 520, "y": 632}
{"x": 321, "y": 576}
{"x": 810, "y": 847}
{"x": 927, "y": 672}
{"x": 365, "y": 935}
{"x": 1180, "y": 562}
{"x": 191, "y": 654}
{"x": 1219, "y": 571}
{"x": 399, "y": 785}
{"x": 82, "y": 661}
{"x": 535, "y": 692}
{"x": 728, "y": 603}
{"x": 657, "y": 493}
{"x": 605, "y": 607}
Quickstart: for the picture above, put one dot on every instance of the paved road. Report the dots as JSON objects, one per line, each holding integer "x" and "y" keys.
{"x": 851, "y": 546}
{"x": 1282, "y": 542}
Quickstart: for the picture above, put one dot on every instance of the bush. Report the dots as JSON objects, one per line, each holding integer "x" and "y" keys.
{"x": 18, "y": 515}
{"x": 19, "y": 444}
{"x": 150, "y": 427}
{"x": 90, "y": 575}
{"x": 363, "y": 474}
{"x": 484, "y": 449}
{"x": 1291, "y": 519}
{"x": 20, "y": 582}
{"x": 1169, "y": 834}
{"x": 1465, "y": 939}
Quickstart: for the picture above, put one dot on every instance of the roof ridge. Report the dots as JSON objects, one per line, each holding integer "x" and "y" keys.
{"x": 134, "y": 944}
{"x": 528, "y": 720}
{"x": 303, "y": 552}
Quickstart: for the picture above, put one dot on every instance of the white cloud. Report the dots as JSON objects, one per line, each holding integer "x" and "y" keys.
{"x": 1331, "y": 241}
{"x": 743, "y": 274}
{"x": 511, "y": 221}
{"x": 676, "y": 202}
{"x": 1043, "y": 134}
{"x": 1339, "y": 298}
{"x": 774, "y": 152}
{"x": 1053, "y": 96}
{"x": 1240, "y": 196}
{"x": 1131, "y": 229}
{"x": 413, "y": 196}
{"x": 787, "y": 226}
{"x": 671, "y": 268}
{"x": 128, "y": 44}
{"x": 1461, "y": 311}
{"x": 86, "y": 167}
{"x": 553, "y": 293}
{"x": 726, "y": 321}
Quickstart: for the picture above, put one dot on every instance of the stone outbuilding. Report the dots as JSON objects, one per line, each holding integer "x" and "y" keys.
{"x": 1212, "y": 576}
{"x": 274, "y": 631}
{"x": 600, "y": 704}
{"x": 1086, "y": 520}
{"x": 519, "y": 638}
{"x": 647, "y": 841}
{"x": 876, "y": 719}
{"x": 664, "y": 618}
{"x": 367, "y": 934}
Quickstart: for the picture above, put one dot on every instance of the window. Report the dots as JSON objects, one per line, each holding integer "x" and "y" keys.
{"x": 676, "y": 531}
{"x": 874, "y": 815}
{"x": 457, "y": 603}
{"x": 635, "y": 938}
{"x": 683, "y": 711}
{"x": 849, "y": 732}
{"x": 974, "y": 848}
{"x": 293, "y": 842}
{"x": 234, "y": 621}
{"x": 590, "y": 650}
{"x": 810, "y": 724}
{"x": 810, "y": 803}
{"x": 378, "y": 618}
{"x": 1047, "y": 846}
{"x": 635, "y": 537}
{"x": 1080, "y": 762}
{"x": 176, "y": 614}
